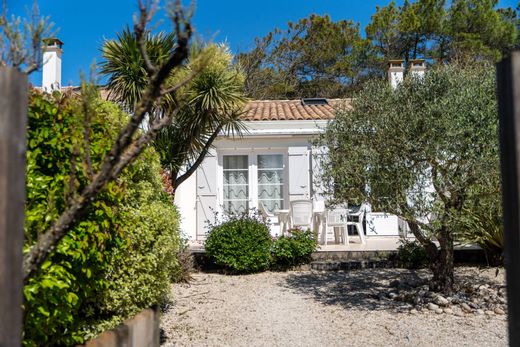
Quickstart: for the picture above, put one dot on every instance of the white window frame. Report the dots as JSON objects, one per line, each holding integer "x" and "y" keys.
{"x": 252, "y": 155}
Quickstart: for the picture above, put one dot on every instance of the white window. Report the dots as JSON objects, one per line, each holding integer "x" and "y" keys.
{"x": 252, "y": 178}
{"x": 271, "y": 181}
{"x": 236, "y": 183}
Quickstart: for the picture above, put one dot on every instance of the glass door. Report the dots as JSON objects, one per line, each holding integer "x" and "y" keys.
{"x": 271, "y": 181}
{"x": 236, "y": 183}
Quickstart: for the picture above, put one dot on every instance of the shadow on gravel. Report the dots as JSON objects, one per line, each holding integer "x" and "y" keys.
{"x": 352, "y": 289}
{"x": 364, "y": 288}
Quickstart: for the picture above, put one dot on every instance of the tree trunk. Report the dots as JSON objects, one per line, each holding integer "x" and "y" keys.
{"x": 441, "y": 260}
{"x": 442, "y": 267}
{"x": 173, "y": 181}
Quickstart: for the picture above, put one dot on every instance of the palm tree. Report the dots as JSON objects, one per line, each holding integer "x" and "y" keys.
{"x": 215, "y": 97}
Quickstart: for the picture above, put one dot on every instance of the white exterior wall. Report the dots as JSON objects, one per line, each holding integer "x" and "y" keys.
{"x": 51, "y": 74}
{"x": 186, "y": 202}
{"x": 291, "y": 138}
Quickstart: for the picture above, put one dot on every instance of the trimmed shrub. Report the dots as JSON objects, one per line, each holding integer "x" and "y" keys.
{"x": 411, "y": 255}
{"x": 120, "y": 257}
{"x": 139, "y": 274}
{"x": 294, "y": 249}
{"x": 242, "y": 244}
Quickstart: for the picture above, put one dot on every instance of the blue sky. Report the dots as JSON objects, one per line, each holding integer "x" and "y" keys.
{"x": 83, "y": 25}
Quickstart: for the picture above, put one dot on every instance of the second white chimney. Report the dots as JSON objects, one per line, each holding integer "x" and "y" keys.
{"x": 395, "y": 72}
{"x": 417, "y": 67}
{"x": 51, "y": 75}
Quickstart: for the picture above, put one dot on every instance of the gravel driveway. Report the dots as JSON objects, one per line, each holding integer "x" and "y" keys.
{"x": 317, "y": 309}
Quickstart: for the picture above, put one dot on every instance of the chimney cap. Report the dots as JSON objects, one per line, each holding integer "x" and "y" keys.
{"x": 396, "y": 63}
{"x": 52, "y": 42}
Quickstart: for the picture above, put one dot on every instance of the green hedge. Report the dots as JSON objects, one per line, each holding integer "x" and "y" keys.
{"x": 242, "y": 243}
{"x": 118, "y": 259}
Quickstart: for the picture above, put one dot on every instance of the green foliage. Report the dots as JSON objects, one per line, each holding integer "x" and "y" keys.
{"x": 294, "y": 249}
{"x": 71, "y": 278}
{"x": 241, "y": 244}
{"x": 214, "y": 97}
{"x": 318, "y": 57}
{"x": 139, "y": 274}
{"x": 125, "y": 64}
{"x": 482, "y": 224}
{"x": 411, "y": 255}
{"x": 314, "y": 56}
{"x": 424, "y": 151}
{"x": 131, "y": 228}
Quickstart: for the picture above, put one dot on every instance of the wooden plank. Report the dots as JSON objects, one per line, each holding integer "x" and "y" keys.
{"x": 13, "y": 123}
{"x": 508, "y": 87}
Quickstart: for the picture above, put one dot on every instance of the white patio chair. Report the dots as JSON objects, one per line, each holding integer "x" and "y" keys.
{"x": 356, "y": 219}
{"x": 264, "y": 212}
{"x": 300, "y": 214}
{"x": 337, "y": 219}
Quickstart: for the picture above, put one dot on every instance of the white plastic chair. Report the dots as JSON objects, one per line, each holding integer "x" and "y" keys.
{"x": 301, "y": 213}
{"x": 264, "y": 212}
{"x": 357, "y": 221}
{"x": 337, "y": 219}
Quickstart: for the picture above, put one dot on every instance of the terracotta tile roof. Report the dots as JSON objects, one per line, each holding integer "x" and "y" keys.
{"x": 261, "y": 110}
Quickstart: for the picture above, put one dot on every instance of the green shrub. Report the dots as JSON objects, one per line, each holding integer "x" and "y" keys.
{"x": 62, "y": 296}
{"x": 118, "y": 259}
{"x": 482, "y": 224}
{"x": 294, "y": 249}
{"x": 241, "y": 244}
{"x": 411, "y": 255}
{"x": 139, "y": 274}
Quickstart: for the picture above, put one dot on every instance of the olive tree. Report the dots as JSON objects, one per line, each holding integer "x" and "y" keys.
{"x": 424, "y": 151}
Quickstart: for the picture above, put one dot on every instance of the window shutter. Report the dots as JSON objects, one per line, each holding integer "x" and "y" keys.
{"x": 299, "y": 177}
{"x": 206, "y": 193}
{"x": 319, "y": 153}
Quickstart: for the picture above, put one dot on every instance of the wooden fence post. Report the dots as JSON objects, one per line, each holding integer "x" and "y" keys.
{"x": 508, "y": 87}
{"x": 13, "y": 124}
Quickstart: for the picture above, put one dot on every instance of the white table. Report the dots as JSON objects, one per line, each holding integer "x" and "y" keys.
{"x": 382, "y": 224}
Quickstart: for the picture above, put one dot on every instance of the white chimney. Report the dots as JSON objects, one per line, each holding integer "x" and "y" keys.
{"x": 395, "y": 72}
{"x": 417, "y": 67}
{"x": 51, "y": 79}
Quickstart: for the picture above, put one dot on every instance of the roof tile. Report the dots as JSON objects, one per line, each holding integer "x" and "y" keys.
{"x": 291, "y": 110}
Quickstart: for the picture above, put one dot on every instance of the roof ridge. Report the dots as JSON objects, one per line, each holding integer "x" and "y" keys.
{"x": 294, "y": 100}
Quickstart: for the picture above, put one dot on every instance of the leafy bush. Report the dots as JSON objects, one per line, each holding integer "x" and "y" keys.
{"x": 482, "y": 224}
{"x": 411, "y": 254}
{"x": 294, "y": 249}
{"x": 139, "y": 274}
{"x": 242, "y": 244}
{"x": 126, "y": 241}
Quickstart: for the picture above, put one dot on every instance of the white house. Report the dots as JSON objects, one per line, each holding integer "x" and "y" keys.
{"x": 273, "y": 163}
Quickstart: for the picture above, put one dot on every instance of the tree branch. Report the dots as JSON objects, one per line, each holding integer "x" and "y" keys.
{"x": 199, "y": 160}
{"x": 145, "y": 15}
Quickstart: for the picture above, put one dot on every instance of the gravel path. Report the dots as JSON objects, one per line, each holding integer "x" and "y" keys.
{"x": 317, "y": 309}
